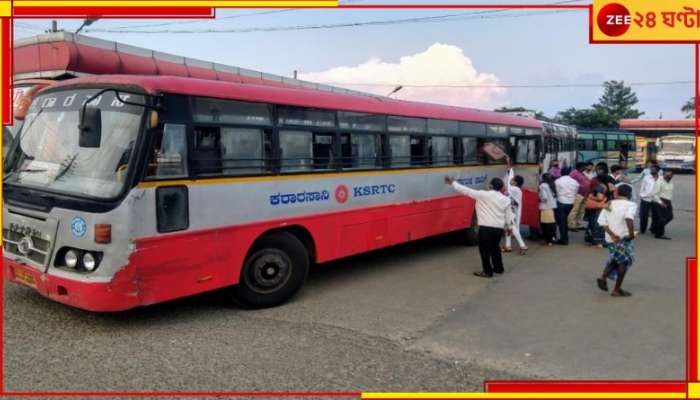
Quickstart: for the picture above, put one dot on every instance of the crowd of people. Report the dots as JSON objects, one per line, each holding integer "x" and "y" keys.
{"x": 595, "y": 198}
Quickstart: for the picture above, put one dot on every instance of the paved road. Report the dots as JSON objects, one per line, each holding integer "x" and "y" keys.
{"x": 408, "y": 318}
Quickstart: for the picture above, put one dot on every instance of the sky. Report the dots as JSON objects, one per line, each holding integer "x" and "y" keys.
{"x": 448, "y": 60}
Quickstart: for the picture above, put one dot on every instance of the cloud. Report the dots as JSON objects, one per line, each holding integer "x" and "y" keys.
{"x": 439, "y": 65}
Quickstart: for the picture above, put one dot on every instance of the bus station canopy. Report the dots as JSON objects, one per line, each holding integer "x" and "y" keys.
{"x": 62, "y": 55}
{"x": 658, "y": 127}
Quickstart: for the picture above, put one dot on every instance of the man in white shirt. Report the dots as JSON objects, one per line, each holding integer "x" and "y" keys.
{"x": 494, "y": 213}
{"x": 617, "y": 219}
{"x": 567, "y": 187}
{"x": 646, "y": 194}
{"x": 663, "y": 194}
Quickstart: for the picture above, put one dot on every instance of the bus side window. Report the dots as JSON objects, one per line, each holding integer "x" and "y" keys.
{"x": 400, "y": 150}
{"x": 481, "y": 156}
{"x": 296, "y": 149}
{"x": 469, "y": 150}
{"x": 323, "y": 151}
{"x": 242, "y": 151}
{"x": 360, "y": 150}
{"x": 532, "y": 150}
{"x": 169, "y": 154}
{"x": 207, "y": 151}
{"x": 419, "y": 150}
{"x": 600, "y": 145}
{"x": 441, "y": 150}
{"x": 522, "y": 149}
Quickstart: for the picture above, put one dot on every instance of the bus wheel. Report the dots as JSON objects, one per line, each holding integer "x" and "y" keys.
{"x": 273, "y": 272}
{"x": 467, "y": 236}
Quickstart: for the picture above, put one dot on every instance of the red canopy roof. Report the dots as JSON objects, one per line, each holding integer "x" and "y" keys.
{"x": 301, "y": 97}
{"x": 657, "y": 124}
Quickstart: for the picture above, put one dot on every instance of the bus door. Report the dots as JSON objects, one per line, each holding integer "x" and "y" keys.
{"x": 526, "y": 162}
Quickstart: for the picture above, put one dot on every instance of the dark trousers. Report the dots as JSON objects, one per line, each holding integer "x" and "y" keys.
{"x": 490, "y": 250}
{"x": 645, "y": 208}
{"x": 594, "y": 233}
{"x": 562, "y": 216}
{"x": 549, "y": 231}
{"x": 664, "y": 215}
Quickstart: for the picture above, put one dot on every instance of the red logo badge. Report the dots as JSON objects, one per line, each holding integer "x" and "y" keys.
{"x": 614, "y": 19}
{"x": 341, "y": 194}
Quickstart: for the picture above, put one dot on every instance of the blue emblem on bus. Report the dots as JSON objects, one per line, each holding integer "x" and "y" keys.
{"x": 78, "y": 227}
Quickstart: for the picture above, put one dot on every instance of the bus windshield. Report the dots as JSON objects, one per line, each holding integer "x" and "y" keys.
{"x": 49, "y": 157}
{"x": 677, "y": 147}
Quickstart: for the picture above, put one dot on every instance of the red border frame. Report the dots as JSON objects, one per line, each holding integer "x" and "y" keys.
{"x": 580, "y": 386}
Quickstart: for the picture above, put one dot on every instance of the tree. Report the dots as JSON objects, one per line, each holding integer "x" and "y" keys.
{"x": 586, "y": 118}
{"x": 616, "y": 103}
{"x": 538, "y": 114}
{"x": 617, "y": 100}
{"x": 689, "y": 108}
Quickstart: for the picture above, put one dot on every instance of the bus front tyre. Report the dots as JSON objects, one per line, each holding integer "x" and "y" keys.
{"x": 274, "y": 271}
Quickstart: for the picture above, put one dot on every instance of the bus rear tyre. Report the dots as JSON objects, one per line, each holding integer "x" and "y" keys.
{"x": 274, "y": 271}
{"x": 467, "y": 236}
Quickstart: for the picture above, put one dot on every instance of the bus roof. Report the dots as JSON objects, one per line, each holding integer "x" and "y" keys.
{"x": 680, "y": 138}
{"x": 301, "y": 97}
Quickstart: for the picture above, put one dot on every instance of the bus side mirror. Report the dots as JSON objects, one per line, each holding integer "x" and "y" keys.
{"x": 90, "y": 128}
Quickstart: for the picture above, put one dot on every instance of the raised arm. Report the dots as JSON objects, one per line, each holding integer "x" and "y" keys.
{"x": 509, "y": 176}
{"x": 465, "y": 190}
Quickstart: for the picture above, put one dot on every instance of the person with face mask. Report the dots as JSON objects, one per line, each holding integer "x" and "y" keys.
{"x": 554, "y": 169}
{"x": 495, "y": 216}
{"x": 663, "y": 193}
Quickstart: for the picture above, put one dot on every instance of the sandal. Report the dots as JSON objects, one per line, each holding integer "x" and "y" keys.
{"x": 621, "y": 293}
{"x": 506, "y": 250}
{"x": 602, "y": 284}
{"x": 523, "y": 251}
{"x": 482, "y": 274}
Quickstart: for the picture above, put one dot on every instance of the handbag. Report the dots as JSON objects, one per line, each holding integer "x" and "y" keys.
{"x": 595, "y": 204}
{"x": 547, "y": 216}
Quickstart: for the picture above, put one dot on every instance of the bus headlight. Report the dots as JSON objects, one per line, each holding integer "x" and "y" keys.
{"x": 71, "y": 258}
{"x": 89, "y": 262}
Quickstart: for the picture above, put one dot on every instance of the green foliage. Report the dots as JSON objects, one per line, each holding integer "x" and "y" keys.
{"x": 587, "y": 118}
{"x": 616, "y": 103}
{"x": 689, "y": 108}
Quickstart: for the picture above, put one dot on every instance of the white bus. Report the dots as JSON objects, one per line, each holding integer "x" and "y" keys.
{"x": 676, "y": 152}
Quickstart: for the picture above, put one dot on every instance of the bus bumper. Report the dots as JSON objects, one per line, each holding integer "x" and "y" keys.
{"x": 117, "y": 295}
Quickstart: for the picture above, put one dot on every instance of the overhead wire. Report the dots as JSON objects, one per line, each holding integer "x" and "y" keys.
{"x": 433, "y": 18}
{"x": 508, "y": 86}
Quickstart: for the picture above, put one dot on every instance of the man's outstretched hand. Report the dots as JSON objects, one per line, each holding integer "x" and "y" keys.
{"x": 449, "y": 180}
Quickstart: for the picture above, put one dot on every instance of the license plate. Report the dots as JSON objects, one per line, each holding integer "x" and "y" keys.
{"x": 25, "y": 278}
